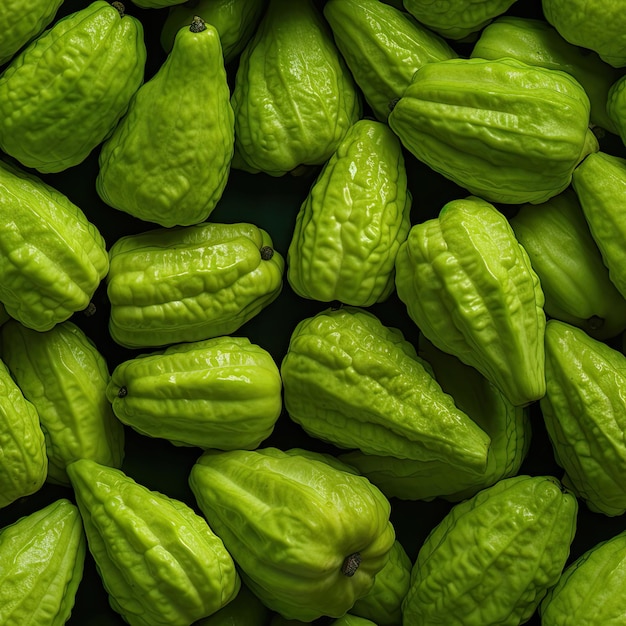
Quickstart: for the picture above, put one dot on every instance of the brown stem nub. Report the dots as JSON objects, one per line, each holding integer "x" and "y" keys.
{"x": 90, "y": 310}
{"x": 351, "y": 564}
{"x": 267, "y": 252}
{"x": 197, "y": 24}
{"x": 122, "y": 392}
{"x": 121, "y": 9}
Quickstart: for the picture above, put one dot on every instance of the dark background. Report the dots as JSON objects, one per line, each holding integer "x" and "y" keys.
{"x": 271, "y": 203}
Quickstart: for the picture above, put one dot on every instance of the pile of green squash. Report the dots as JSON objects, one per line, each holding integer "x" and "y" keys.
{"x": 312, "y": 311}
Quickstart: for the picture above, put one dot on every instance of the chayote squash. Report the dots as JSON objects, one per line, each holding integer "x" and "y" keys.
{"x": 293, "y": 96}
{"x": 352, "y": 620}
{"x": 616, "y": 106}
{"x": 383, "y": 47}
{"x": 573, "y": 277}
{"x": 168, "y": 159}
{"x": 536, "y": 42}
{"x": 493, "y": 557}
{"x": 52, "y": 258}
{"x": 358, "y": 384}
{"x": 17, "y": 31}
{"x": 175, "y": 285}
{"x": 308, "y": 537}
{"x": 23, "y": 460}
{"x": 352, "y": 221}
{"x": 507, "y": 425}
{"x": 470, "y": 288}
{"x": 42, "y": 555}
{"x": 244, "y": 610}
{"x": 383, "y": 603}
{"x": 590, "y": 589}
{"x": 456, "y": 19}
{"x": 600, "y": 185}
{"x": 156, "y": 4}
{"x": 597, "y": 26}
{"x": 159, "y": 561}
{"x": 65, "y": 92}
{"x": 235, "y": 21}
{"x": 584, "y": 410}
{"x": 222, "y": 393}
{"x": 63, "y": 374}
{"x": 503, "y": 130}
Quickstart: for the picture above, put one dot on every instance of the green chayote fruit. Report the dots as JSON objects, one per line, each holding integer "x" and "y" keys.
{"x": 358, "y": 384}
{"x": 456, "y": 19}
{"x": 536, "y": 42}
{"x": 469, "y": 286}
{"x": 244, "y": 610}
{"x": 42, "y": 556}
{"x": 383, "y": 47}
{"x": 222, "y": 393}
{"x": 591, "y": 588}
{"x": 23, "y": 460}
{"x": 168, "y": 159}
{"x": 597, "y": 26}
{"x": 293, "y": 97}
{"x": 616, "y": 106}
{"x": 573, "y": 277}
{"x": 507, "y": 425}
{"x": 19, "y": 29}
{"x": 352, "y": 221}
{"x": 159, "y": 561}
{"x": 52, "y": 258}
{"x": 352, "y": 620}
{"x": 493, "y": 557}
{"x": 185, "y": 284}
{"x": 307, "y": 537}
{"x": 600, "y": 184}
{"x": 584, "y": 410}
{"x": 383, "y": 603}
{"x": 478, "y": 121}
{"x": 91, "y": 62}
{"x": 235, "y": 21}
{"x": 62, "y": 373}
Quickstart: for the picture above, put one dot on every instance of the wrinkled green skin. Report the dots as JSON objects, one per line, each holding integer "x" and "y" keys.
{"x": 23, "y": 463}
{"x": 590, "y": 590}
{"x": 352, "y": 620}
{"x": 91, "y": 62}
{"x": 536, "y": 42}
{"x": 64, "y": 376}
{"x": 169, "y": 164}
{"x": 211, "y": 280}
{"x": 290, "y": 521}
{"x": 353, "y": 382}
{"x": 456, "y": 19}
{"x": 508, "y": 427}
{"x": 573, "y": 277}
{"x": 17, "y": 31}
{"x": 598, "y": 26}
{"x": 492, "y": 558}
{"x": 383, "y": 604}
{"x": 503, "y": 130}
{"x": 470, "y": 288}
{"x": 43, "y": 556}
{"x": 352, "y": 221}
{"x": 245, "y": 608}
{"x": 235, "y": 21}
{"x": 383, "y": 47}
{"x": 40, "y": 224}
{"x": 293, "y": 97}
{"x": 600, "y": 184}
{"x": 616, "y": 106}
{"x": 584, "y": 412}
{"x": 222, "y": 393}
{"x": 159, "y": 561}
